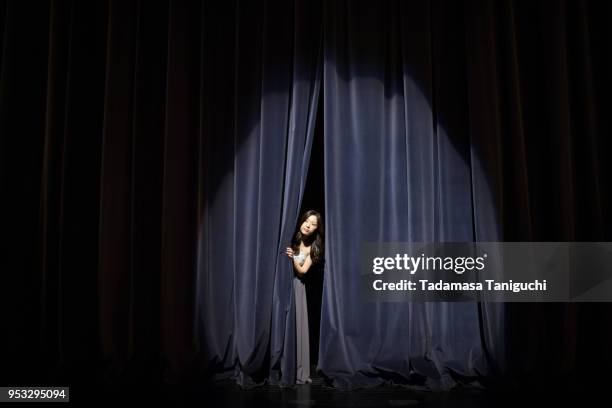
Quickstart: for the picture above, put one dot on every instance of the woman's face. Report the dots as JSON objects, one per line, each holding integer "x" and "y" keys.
{"x": 309, "y": 226}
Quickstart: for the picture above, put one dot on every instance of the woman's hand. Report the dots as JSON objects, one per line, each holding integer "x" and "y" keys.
{"x": 289, "y": 252}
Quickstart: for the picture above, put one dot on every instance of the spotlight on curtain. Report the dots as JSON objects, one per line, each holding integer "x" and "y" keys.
{"x": 256, "y": 165}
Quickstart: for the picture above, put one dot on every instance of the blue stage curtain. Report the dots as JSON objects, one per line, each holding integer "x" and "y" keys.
{"x": 398, "y": 167}
{"x": 255, "y": 175}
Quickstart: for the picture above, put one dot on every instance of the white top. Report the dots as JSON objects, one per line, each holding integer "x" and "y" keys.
{"x": 301, "y": 257}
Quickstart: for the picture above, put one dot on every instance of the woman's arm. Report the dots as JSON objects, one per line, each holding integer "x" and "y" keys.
{"x": 302, "y": 269}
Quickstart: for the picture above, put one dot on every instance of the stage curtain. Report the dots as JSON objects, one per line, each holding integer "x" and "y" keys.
{"x": 460, "y": 121}
{"x": 153, "y": 158}
{"x": 153, "y": 155}
{"x": 255, "y": 173}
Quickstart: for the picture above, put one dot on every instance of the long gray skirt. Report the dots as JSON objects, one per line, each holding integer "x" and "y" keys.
{"x": 301, "y": 325}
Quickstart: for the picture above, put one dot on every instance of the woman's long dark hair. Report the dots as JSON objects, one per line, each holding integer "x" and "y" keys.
{"x": 315, "y": 240}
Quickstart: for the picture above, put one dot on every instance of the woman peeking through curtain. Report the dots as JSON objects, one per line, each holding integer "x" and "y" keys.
{"x": 306, "y": 250}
